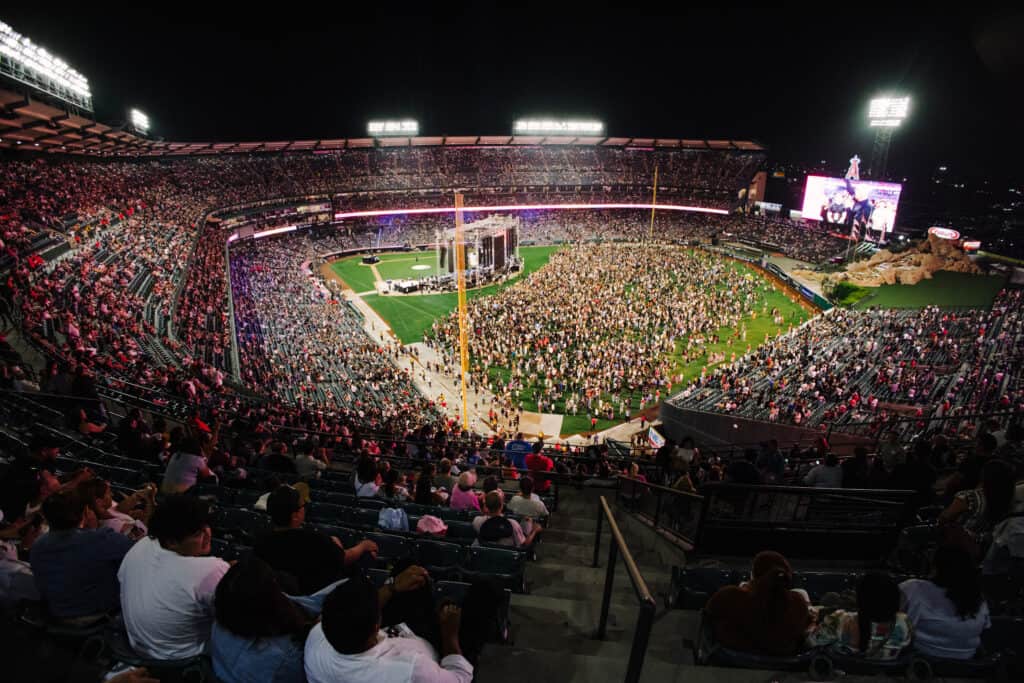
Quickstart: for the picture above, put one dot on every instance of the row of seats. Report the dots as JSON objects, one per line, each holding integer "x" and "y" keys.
{"x": 998, "y": 661}
{"x": 692, "y": 587}
{"x": 441, "y": 559}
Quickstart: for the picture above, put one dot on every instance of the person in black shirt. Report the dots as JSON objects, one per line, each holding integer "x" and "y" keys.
{"x": 742, "y": 470}
{"x": 856, "y": 470}
{"x": 278, "y": 460}
{"x": 308, "y": 559}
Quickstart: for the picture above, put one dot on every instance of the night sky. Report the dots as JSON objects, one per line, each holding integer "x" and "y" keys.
{"x": 797, "y": 82}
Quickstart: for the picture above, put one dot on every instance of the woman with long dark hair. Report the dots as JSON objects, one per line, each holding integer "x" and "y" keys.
{"x": 392, "y": 490}
{"x": 978, "y": 510}
{"x": 764, "y": 616}
{"x": 948, "y": 611}
{"x": 877, "y": 630}
{"x": 260, "y": 632}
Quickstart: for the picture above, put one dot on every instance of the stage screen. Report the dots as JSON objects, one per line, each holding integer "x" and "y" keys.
{"x": 866, "y": 203}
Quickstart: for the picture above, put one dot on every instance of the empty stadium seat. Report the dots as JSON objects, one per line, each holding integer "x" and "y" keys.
{"x": 507, "y": 566}
{"x": 439, "y": 558}
{"x": 692, "y": 587}
{"x": 391, "y": 548}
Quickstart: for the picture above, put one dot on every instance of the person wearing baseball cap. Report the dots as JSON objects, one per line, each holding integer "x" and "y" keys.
{"x": 311, "y": 559}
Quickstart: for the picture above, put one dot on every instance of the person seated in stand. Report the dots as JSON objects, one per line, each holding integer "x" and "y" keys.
{"x": 493, "y": 527}
{"x": 526, "y": 503}
{"x": 742, "y": 470}
{"x": 348, "y": 644}
{"x": 260, "y": 632}
{"x": 392, "y": 490}
{"x": 186, "y": 466}
{"x": 168, "y": 582}
{"x": 877, "y": 630}
{"x": 99, "y": 498}
{"x": 463, "y": 496}
{"x": 539, "y": 464}
{"x": 366, "y": 479}
{"x": 310, "y": 559}
{"x": 826, "y": 475}
{"x": 278, "y": 459}
{"x": 307, "y": 464}
{"x": 948, "y": 611}
{"x": 977, "y": 511}
{"x": 764, "y": 616}
{"x": 444, "y": 478}
{"x": 75, "y": 564}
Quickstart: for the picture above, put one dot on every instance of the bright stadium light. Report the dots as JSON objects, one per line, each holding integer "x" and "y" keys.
{"x": 140, "y": 122}
{"x": 404, "y": 128}
{"x": 888, "y": 112}
{"x": 32, "y": 65}
{"x": 885, "y": 115}
{"x": 557, "y": 127}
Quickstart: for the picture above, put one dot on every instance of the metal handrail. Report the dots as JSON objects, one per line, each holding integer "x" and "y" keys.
{"x": 645, "y": 619}
{"x": 660, "y": 493}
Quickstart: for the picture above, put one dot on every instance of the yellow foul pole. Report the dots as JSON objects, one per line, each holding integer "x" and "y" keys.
{"x": 654, "y": 201}
{"x": 460, "y": 275}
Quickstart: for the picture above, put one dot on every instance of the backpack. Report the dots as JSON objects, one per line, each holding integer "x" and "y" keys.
{"x": 496, "y": 529}
{"x": 393, "y": 519}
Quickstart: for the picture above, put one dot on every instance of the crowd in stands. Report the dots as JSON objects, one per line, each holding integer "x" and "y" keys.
{"x": 803, "y": 241}
{"x": 300, "y": 344}
{"x": 873, "y": 366}
{"x": 147, "y": 558}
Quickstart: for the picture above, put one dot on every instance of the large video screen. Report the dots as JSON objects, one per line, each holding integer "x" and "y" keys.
{"x": 864, "y": 203}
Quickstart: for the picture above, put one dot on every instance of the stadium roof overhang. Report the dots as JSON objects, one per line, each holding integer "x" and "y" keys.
{"x": 29, "y": 123}
{"x": 26, "y": 123}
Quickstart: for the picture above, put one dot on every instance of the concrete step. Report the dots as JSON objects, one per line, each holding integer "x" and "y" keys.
{"x": 526, "y": 665}
{"x": 563, "y": 535}
{"x": 562, "y": 625}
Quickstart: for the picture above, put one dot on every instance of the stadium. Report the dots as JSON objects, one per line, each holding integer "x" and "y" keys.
{"x": 553, "y": 403}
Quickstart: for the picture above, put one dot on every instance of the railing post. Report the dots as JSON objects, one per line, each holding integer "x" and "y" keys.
{"x": 597, "y": 537}
{"x": 644, "y": 623}
{"x": 609, "y": 582}
{"x": 657, "y": 507}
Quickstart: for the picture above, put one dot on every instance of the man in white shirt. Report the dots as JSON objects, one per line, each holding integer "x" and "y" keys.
{"x": 167, "y": 585}
{"x": 349, "y": 645}
{"x": 494, "y": 528}
{"x": 526, "y": 503}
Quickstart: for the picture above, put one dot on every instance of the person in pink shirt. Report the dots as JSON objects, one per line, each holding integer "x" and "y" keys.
{"x": 463, "y": 496}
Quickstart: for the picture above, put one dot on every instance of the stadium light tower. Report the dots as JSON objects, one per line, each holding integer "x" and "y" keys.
{"x": 885, "y": 115}
{"x": 31, "y": 65}
{"x": 140, "y": 122}
{"x": 403, "y": 128}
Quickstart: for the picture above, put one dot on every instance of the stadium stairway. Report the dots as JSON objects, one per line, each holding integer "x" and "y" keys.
{"x": 553, "y": 625}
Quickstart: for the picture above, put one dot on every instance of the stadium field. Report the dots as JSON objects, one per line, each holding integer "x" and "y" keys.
{"x": 410, "y": 316}
{"x": 946, "y": 289}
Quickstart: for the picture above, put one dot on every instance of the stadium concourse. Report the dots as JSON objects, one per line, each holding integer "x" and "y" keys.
{"x": 166, "y": 323}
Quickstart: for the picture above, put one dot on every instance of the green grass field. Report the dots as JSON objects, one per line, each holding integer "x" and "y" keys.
{"x": 411, "y": 316}
{"x": 354, "y": 274}
{"x": 946, "y": 289}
